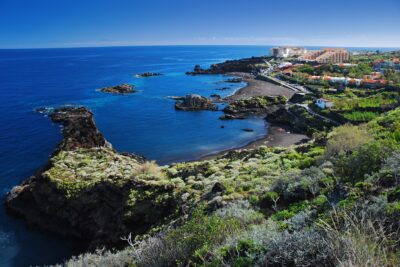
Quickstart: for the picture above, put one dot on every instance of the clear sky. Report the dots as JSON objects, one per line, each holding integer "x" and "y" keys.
{"x": 71, "y": 23}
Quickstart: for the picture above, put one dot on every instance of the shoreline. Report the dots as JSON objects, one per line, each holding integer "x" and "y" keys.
{"x": 277, "y": 135}
{"x": 256, "y": 87}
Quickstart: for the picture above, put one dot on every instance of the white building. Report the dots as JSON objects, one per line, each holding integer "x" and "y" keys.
{"x": 324, "y": 103}
{"x": 287, "y": 51}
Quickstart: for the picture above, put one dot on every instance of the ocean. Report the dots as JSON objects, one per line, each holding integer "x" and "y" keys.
{"x": 145, "y": 123}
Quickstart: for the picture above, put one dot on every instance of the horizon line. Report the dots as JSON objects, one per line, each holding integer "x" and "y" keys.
{"x": 171, "y": 45}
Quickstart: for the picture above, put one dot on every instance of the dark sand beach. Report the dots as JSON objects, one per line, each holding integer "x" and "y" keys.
{"x": 256, "y": 87}
{"x": 276, "y": 135}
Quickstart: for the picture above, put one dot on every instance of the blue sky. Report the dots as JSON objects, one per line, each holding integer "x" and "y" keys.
{"x": 76, "y": 23}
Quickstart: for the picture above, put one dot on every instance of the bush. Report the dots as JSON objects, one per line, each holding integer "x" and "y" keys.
{"x": 300, "y": 248}
{"x": 149, "y": 168}
{"x": 365, "y": 160}
{"x": 189, "y": 243}
{"x": 357, "y": 239}
{"x": 345, "y": 139}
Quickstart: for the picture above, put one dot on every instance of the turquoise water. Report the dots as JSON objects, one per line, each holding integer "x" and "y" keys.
{"x": 145, "y": 123}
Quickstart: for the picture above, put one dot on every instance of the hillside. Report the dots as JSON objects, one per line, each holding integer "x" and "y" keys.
{"x": 332, "y": 201}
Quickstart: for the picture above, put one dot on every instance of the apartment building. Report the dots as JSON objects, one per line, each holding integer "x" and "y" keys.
{"x": 327, "y": 55}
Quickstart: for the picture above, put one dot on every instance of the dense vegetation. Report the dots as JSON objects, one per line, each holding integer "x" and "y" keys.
{"x": 332, "y": 202}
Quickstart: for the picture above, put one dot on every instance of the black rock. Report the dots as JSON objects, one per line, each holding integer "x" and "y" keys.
{"x": 195, "y": 102}
{"x": 119, "y": 89}
{"x": 79, "y": 130}
{"x": 147, "y": 74}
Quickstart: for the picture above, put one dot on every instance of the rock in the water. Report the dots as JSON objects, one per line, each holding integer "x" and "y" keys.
{"x": 247, "y": 130}
{"x": 234, "y": 80}
{"x": 79, "y": 130}
{"x": 232, "y": 117}
{"x": 196, "y": 70}
{"x": 195, "y": 102}
{"x": 119, "y": 89}
{"x": 223, "y": 88}
{"x": 147, "y": 74}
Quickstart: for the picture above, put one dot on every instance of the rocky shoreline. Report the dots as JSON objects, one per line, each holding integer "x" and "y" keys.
{"x": 91, "y": 192}
{"x": 246, "y": 65}
{"x": 85, "y": 191}
{"x": 76, "y": 197}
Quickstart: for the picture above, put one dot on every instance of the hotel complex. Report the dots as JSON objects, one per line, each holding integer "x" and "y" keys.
{"x": 327, "y": 55}
{"x": 288, "y": 51}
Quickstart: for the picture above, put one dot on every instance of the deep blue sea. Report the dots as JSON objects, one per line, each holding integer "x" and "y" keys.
{"x": 145, "y": 122}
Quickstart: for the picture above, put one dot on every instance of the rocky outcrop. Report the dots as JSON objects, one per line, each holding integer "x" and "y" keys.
{"x": 260, "y": 105}
{"x": 79, "y": 129}
{"x": 119, "y": 89}
{"x": 147, "y": 74}
{"x": 248, "y": 65}
{"x": 91, "y": 192}
{"x": 216, "y": 98}
{"x": 195, "y": 102}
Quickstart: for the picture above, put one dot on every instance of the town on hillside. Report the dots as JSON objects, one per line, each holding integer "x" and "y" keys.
{"x": 349, "y": 86}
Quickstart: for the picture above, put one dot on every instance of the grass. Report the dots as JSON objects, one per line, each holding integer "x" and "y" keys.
{"x": 360, "y": 103}
{"x": 361, "y": 116}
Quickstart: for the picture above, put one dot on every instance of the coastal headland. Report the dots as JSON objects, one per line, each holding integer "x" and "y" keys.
{"x": 94, "y": 186}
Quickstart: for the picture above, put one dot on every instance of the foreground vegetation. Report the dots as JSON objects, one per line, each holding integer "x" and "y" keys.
{"x": 332, "y": 202}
